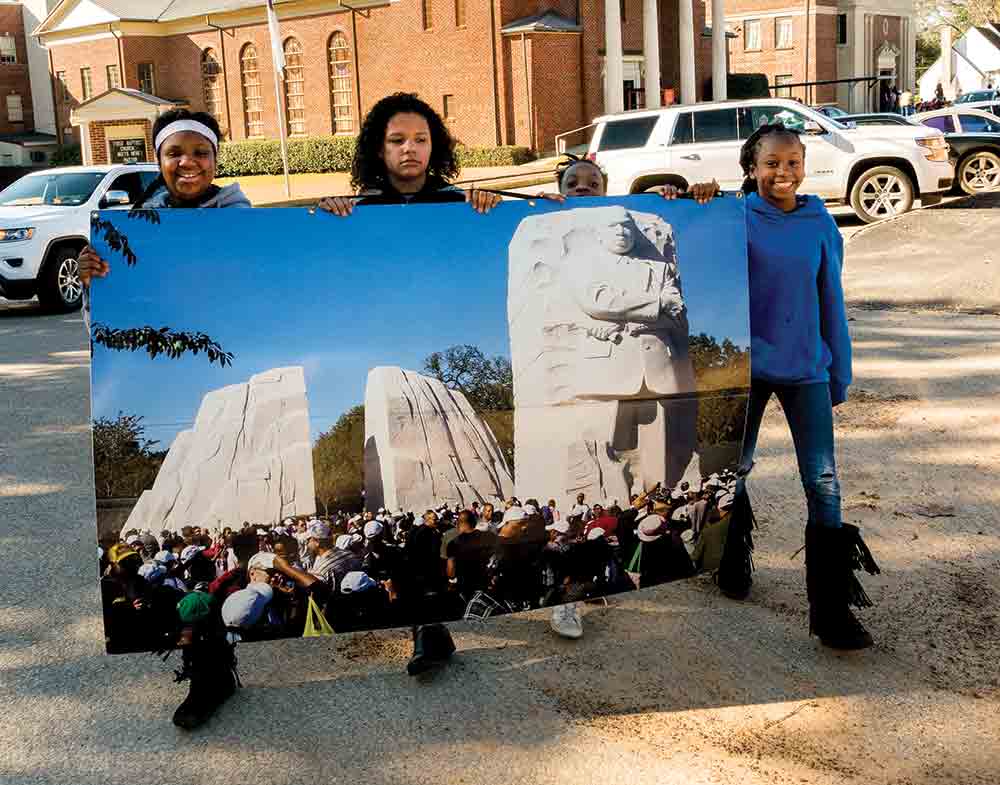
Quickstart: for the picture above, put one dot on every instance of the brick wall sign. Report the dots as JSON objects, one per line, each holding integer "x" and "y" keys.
{"x": 127, "y": 151}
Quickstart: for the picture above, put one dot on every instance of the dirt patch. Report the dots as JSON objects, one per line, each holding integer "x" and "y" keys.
{"x": 367, "y": 646}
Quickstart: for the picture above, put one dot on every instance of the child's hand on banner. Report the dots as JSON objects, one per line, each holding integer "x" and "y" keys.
{"x": 91, "y": 265}
{"x": 703, "y": 193}
{"x": 338, "y": 205}
{"x": 482, "y": 201}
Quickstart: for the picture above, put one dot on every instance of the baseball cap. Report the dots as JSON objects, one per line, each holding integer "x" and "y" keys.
{"x": 165, "y": 557}
{"x": 261, "y": 561}
{"x": 152, "y": 572}
{"x": 244, "y": 608}
{"x": 120, "y": 551}
{"x": 595, "y": 533}
{"x": 318, "y": 530}
{"x": 356, "y": 581}
{"x": 531, "y": 509}
{"x": 190, "y": 552}
{"x": 373, "y": 529}
{"x": 343, "y": 542}
{"x": 133, "y": 540}
{"x": 194, "y": 607}
{"x": 561, "y": 526}
{"x": 726, "y": 501}
{"x": 514, "y": 514}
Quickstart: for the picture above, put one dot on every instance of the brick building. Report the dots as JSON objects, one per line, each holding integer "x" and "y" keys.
{"x": 796, "y": 41}
{"x": 16, "y": 115}
{"x": 500, "y": 71}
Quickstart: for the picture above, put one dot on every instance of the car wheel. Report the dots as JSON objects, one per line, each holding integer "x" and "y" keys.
{"x": 979, "y": 172}
{"x": 60, "y": 289}
{"x": 881, "y": 192}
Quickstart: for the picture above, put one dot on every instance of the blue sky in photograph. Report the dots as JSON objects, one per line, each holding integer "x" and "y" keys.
{"x": 386, "y": 286}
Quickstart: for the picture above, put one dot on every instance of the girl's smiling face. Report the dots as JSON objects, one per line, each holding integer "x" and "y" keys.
{"x": 187, "y": 163}
{"x": 779, "y": 169}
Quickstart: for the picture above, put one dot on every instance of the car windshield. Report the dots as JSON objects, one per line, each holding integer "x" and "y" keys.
{"x": 62, "y": 190}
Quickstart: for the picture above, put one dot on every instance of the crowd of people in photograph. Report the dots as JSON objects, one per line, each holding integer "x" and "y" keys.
{"x": 377, "y": 569}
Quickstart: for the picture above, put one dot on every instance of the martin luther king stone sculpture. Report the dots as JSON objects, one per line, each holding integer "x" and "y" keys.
{"x": 603, "y": 382}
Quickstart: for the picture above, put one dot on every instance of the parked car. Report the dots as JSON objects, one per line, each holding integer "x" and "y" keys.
{"x": 829, "y": 110}
{"x": 875, "y": 118}
{"x": 878, "y": 170}
{"x": 987, "y": 106}
{"x": 45, "y": 221}
{"x": 978, "y": 95}
{"x": 974, "y": 140}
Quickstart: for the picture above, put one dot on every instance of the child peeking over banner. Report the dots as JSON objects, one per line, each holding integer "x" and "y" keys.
{"x": 801, "y": 352}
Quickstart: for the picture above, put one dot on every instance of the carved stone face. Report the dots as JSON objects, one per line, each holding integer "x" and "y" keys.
{"x": 618, "y": 237}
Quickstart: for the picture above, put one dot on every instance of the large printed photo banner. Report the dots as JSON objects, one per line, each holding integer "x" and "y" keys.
{"x": 417, "y": 413}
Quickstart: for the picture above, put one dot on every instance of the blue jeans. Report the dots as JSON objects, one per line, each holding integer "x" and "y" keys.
{"x": 809, "y": 413}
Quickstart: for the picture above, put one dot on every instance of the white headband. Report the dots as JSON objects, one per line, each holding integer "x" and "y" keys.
{"x": 185, "y": 125}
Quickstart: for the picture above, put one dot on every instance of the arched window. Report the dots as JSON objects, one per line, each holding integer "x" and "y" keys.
{"x": 253, "y": 114}
{"x": 211, "y": 83}
{"x": 340, "y": 83}
{"x": 295, "y": 93}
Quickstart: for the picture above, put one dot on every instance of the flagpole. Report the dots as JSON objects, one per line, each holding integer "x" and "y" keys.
{"x": 278, "y": 59}
{"x": 281, "y": 132}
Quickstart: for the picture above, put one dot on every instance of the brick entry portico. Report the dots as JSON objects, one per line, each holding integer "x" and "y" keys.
{"x": 116, "y": 126}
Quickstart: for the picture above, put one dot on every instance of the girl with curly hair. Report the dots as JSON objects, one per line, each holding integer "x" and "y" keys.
{"x": 405, "y": 154}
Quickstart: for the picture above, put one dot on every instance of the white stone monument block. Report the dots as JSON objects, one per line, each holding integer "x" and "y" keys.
{"x": 247, "y": 458}
{"x": 425, "y": 446}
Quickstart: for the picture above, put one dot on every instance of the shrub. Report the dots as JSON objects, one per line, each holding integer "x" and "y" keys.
{"x": 334, "y": 154}
{"x": 743, "y": 86}
{"x": 67, "y": 155}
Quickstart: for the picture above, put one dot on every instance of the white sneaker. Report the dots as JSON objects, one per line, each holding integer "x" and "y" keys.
{"x": 566, "y": 621}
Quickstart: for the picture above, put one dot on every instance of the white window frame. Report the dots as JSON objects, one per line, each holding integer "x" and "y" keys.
{"x": 8, "y": 50}
{"x": 152, "y": 77}
{"x": 753, "y": 24}
{"x": 786, "y": 23}
{"x": 847, "y": 30}
{"x": 781, "y": 91}
{"x": 15, "y": 113}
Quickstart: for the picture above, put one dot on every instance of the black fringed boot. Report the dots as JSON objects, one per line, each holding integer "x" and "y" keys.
{"x": 832, "y": 557}
{"x": 432, "y": 645}
{"x": 735, "y": 574}
{"x": 210, "y": 665}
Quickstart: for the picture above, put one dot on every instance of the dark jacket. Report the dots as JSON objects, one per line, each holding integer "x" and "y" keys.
{"x": 435, "y": 190}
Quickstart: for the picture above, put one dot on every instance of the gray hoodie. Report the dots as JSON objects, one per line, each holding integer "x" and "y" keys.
{"x": 228, "y": 196}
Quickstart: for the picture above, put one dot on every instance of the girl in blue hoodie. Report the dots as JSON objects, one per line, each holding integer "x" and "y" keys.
{"x": 801, "y": 352}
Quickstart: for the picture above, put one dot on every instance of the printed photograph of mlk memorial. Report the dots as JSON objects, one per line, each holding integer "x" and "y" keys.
{"x": 413, "y": 414}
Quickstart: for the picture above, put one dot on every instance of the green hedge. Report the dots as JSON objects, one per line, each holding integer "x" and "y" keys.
{"x": 66, "y": 156}
{"x": 333, "y": 154}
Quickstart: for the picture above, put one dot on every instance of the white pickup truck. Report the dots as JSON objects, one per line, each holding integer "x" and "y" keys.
{"x": 878, "y": 170}
{"x": 45, "y": 221}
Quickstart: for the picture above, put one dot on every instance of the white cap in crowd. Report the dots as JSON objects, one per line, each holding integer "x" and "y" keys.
{"x": 373, "y": 529}
{"x": 165, "y": 557}
{"x": 558, "y": 526}
{"x": 356, "y": 581}
{"x": 261, "y": 561}
{"x": 595, "y": 533}
{"x": 319, "y": 530}
{"x": 343, "y": 542}
{"x": 190, "y": 552}
{"x": 514, "y": 514}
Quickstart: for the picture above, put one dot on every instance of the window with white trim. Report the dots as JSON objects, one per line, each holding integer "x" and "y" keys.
{"x": 211, "y": 83}
{"x": 780, "y": 91}
{"x": 147, "y": 78}
{"x": 114, "y": 77}
{"x": 841, "y": 29}
{"x": 8, "y": 49}
{"x": 253, "y": 110}
{"x": 340, "y": 83}
{"x": 295, "y": 92}
{"x": 15, "y": 109}
{"x": 87, "y": 87}
{"x": 751, "y": 35}
{"x": 783, "y": 33}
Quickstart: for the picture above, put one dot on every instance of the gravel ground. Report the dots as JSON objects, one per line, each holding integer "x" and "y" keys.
{"x": 671, "y": 685}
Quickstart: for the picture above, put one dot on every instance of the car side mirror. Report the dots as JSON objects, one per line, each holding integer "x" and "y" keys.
{"x": 812, "y": 128}
{"x": 116, "y": 199}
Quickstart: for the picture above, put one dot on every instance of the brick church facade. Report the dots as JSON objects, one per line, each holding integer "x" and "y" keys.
{"x": 502, "y": 72}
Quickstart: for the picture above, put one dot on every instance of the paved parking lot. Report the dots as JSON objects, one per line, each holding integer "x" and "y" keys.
{"x": 672, "y": 685}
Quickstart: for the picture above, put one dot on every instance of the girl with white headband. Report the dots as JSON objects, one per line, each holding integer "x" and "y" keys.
{"x": 187, "y": 146}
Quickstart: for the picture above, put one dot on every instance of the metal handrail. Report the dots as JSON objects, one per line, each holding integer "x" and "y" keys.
{"x": 561, "y": 144}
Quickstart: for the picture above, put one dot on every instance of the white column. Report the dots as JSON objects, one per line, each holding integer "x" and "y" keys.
{"x": 86, "y": 152}
{"x": 651, "y": 51}
{"x": 685, "y": 48}
{"x": 719, "y": 87}
{"x": 614, "y": 76}
{"x": 946, "y": 72}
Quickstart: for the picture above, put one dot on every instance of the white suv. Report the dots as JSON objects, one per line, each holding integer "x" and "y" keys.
{"x": 45, "y": 221}
{"x": 878, "y": 170}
